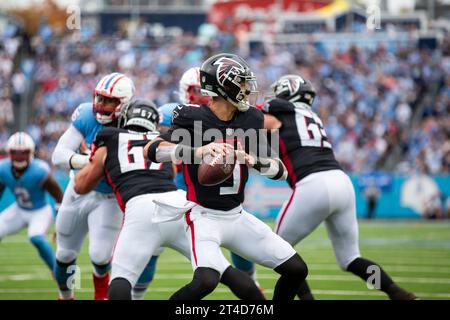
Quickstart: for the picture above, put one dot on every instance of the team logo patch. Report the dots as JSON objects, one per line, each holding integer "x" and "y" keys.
{"x": 228, "y": 68}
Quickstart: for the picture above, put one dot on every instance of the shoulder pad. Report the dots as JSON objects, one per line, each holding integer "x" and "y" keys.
{"x": 183, "y": 114}
{"x": 104, "y": 135}
{"x": 81, "y": 109}
{"x": 279, "y": 106}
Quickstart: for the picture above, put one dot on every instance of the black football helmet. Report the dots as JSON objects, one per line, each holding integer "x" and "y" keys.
{"x": 141, "y": 116}
{"x": 229, "y": 76}
{"x": 294, "y": 88}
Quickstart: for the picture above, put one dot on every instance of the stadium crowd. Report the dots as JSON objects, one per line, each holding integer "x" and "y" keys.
{"x": 366, "y": 98}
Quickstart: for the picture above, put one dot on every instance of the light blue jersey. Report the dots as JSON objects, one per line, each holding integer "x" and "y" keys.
{"x": 28, "y": 188}
{"x": 84, "y": 120}
{"x": 165, "y": 113}
{"x": 165, "y": 119}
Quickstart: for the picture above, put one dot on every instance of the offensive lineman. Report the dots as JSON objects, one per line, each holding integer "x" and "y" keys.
{"x": 28, "y": 178}
{"x": 96, "y": 212}
{"x": 118, "y": 153}
{"x": 218, "y": 219}
{"x": 322, "y": 192}
{"x": 189, "y": 93}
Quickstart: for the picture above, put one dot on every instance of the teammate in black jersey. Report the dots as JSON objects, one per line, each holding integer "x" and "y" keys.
{"x": 118, "y": 154}
{"x": 218, "y": 219}
{"x": 321, "y": 190}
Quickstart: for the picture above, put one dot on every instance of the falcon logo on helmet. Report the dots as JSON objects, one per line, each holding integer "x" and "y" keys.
{"x": 228, "y": 69}
{"x": 20, "y": 147}
{"x": 294, "y": 88}
{"x": 112, "y": 95}
{"x": 229, "y": 76}
{"x": 292, "y": 84}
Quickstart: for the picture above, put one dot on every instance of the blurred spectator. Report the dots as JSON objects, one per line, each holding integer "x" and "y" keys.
{"x": 365, "y": 97}
{"x": 372, "y": 193}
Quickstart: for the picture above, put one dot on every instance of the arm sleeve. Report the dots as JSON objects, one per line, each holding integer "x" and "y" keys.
{"x": 268, "y": 162}
{"x": 180, "y": 130}
{"x": 66, "y": 147}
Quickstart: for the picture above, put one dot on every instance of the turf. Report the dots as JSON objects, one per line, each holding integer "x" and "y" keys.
{"x": 415, "y": 253}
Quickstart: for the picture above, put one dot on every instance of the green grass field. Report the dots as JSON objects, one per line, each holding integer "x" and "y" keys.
{"x": 415, "y": 253}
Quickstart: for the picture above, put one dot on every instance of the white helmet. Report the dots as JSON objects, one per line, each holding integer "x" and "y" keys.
{"x": 117, "y": 86}
{"x": 190, "y": 91}
{"x": 20, "y": 147}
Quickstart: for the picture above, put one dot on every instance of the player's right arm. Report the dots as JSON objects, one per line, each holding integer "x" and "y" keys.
{"x": 271, "y": 122}
{"x": 87, "y": 178}
{"x": 65, "y": 153}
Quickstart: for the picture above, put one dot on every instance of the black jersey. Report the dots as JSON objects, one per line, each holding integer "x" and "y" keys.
{"x": 230, "y": 193}
{"x": 128, "y": 173}
{"x": 304, "y": 146}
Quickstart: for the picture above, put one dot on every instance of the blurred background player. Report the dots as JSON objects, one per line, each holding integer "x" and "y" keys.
{"x": 97, "y": 212}
{"x": 322, "y": 192}
{"x": 28, "y": 179}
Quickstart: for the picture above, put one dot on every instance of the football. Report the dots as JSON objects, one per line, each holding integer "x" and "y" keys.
{"x": 215, "y": 170}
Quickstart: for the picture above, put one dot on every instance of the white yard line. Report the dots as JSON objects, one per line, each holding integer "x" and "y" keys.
{"x": 370, "y": 293}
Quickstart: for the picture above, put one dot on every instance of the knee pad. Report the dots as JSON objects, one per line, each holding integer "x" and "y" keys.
{"x": 66, "y": 255}
{"x": 206, "y": 279}
{"x": 119, "y": 289}
{"x": 99, "y": 256}
{"x": 293, "y": 267}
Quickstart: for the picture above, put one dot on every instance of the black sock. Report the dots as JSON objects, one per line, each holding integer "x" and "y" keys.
{"x": 293, "y": 273}
{"x": 205, "y": 280}
{"x": 119, "y": 289}
{"x": 363, "y": 268}
{"x": 241, "y": 284}
{"x": 304, "y": 292}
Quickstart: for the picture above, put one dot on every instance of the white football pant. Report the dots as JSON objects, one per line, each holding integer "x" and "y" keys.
{"x": 140, "y": 237}
{"x": 13, "y": 219}
{"x": 96, "y": 213}
{"x": 322, "y": 196}
{"x": 236, "y": 230}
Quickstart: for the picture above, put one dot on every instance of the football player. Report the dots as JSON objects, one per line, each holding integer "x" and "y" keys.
{"x": 29, "y": 179}
{"x": 315, "y": 175}
{"x": 137, "y": 182}
{"x": 96, "y": 212}
{"x": 218, "y": 219}
{"x": 189, "y": 93}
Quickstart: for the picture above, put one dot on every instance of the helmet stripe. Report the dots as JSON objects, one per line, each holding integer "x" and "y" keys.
{"x": 19, "y": 136}
{"x": 112, "y": 87}
{"x": 110, "y": 79}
